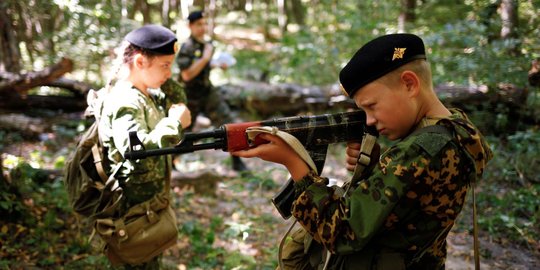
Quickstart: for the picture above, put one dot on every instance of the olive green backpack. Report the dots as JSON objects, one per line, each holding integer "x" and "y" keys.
{"x": 85, "y": 174}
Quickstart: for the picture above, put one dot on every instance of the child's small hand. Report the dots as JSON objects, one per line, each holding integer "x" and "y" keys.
{"x": 353, "y": 152}
{"x": 277, "y": 151}
{"x": 182, "y": 113}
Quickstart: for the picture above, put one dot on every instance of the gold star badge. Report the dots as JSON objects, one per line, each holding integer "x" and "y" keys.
{"x": 398, "y": 53}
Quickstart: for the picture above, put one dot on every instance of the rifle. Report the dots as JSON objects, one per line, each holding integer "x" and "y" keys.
{"x": 314, "y": 132}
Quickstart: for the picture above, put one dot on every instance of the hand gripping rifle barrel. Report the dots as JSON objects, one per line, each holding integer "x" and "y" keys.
{"x": 314, "y": 132}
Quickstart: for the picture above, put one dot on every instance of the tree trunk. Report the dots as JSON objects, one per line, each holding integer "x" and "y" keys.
{"x": 10, "y": 55}
{"x": 509, "y": 18}
{"x": 199, "y": 4}
{"x": 211, "y": 15}
{"x": 165, "y": 11}
{"x": 297, "y": 11}
{"x": 184, "y": 8}
{"x": 145, "y": 9}
{"x": 282, "y": 16}
{"x": 406, "y": 15}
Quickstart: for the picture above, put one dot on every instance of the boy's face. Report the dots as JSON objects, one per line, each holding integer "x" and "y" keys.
{"x": 198, "y": 28}
{"x": 391, "y": 110}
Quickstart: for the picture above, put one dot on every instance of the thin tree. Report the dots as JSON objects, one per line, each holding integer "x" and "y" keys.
{"x": 10, "y": 54}
{"x": 406, "y": 14}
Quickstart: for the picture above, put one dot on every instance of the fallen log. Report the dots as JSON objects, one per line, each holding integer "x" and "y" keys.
{"x": 77, "y": 88}
{"x": 28, "y": 126}
{"x": 267, "y": 100}
{"x": 11, "y": 83}
{"x": 55, "y": 103}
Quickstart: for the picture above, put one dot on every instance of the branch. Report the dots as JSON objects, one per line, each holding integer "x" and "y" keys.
{"x": 21, "y": 83}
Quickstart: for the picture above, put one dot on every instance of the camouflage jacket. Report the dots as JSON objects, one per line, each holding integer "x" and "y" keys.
{"x": 190, "y": 51}
{"x": 127, "y": 109}
{"x": 407, "y": 205}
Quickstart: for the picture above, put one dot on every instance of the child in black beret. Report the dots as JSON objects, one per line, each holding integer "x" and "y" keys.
{"x": 399, "y": 215}
{"x": 133, "y": 101}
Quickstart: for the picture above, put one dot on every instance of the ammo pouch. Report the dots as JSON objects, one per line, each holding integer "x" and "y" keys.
{"x": 144, "y": 232}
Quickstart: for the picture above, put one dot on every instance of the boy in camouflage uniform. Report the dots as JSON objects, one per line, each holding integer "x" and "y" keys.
{"x": 398, "y": 217}
{"x": 134, "y": 102}
{"x": 194, "y": 61}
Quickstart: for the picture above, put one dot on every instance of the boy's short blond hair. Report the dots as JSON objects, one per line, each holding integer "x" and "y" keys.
{"x": 420, "y": 67}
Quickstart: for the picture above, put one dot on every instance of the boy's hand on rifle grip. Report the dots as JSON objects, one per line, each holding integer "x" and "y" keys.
{"x": 277, "y": 151}
{"x": 353, "y": 152}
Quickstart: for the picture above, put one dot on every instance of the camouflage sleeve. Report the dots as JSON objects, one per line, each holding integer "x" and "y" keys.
{"x": 133, "y": 117}
{"x": 347, "y": 224}
{"x": 185, "y": 56}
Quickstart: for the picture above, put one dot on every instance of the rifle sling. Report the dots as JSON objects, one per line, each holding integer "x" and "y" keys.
{"x": 360, "y": 170}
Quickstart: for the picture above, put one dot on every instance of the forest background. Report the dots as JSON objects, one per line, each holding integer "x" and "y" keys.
{"x": 488, "y": 47}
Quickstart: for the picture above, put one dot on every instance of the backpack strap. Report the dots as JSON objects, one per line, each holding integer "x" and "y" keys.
{"x": 98, "y": 162}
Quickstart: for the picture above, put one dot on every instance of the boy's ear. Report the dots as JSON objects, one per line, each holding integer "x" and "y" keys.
{"x": 411, "y": 82}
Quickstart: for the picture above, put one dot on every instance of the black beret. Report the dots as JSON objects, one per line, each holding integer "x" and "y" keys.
{"x": 194, "y": 16}
{"x": 378, "y": 57}
{"x": 154, "y": 38}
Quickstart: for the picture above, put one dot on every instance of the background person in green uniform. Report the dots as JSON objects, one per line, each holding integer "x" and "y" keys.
{"x": 399, "y": 216}
{"x": 134, "y": 102}
{"x": 194, "y": 61}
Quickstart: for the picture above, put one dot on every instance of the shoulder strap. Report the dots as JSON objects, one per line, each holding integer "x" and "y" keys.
{"x": 98, "y": 162}
{"x": 433, "y": 129}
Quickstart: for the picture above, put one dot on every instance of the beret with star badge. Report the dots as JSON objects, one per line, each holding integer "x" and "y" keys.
{"x": 154, "y": 38}
{"x": 378, "y": 57}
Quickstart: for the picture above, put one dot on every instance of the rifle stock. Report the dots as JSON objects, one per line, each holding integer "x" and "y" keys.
{"x": 314, "y": 132}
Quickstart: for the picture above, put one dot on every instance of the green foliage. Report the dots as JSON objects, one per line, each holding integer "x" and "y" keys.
{"x": 201, "y": 240}
{"x": 509, "y": 195}
{"x": 37, "y": 222}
